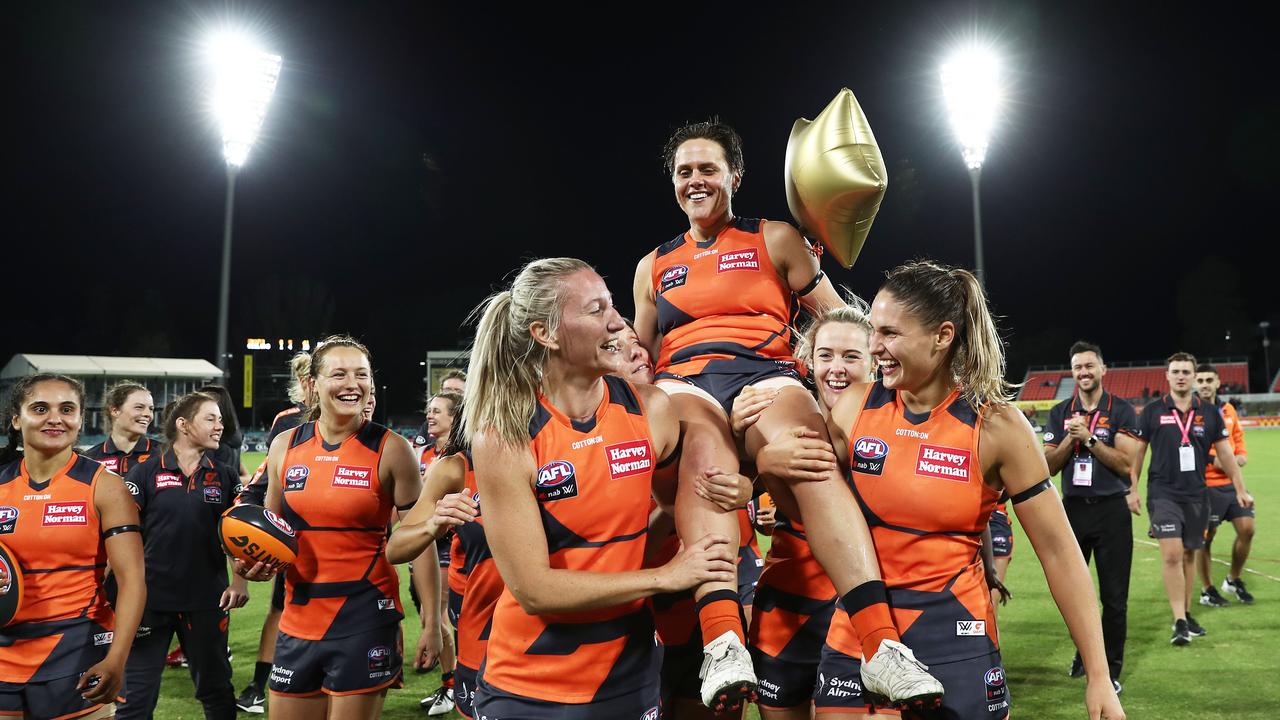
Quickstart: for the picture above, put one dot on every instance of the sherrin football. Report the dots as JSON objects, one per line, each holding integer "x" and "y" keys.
{"x": 253, "y": 534}
{"x": 10, "y": 586}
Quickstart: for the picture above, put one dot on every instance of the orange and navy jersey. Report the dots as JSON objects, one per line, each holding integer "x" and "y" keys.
{"x": 254, "y": 492}
{"x": 720, "y": 300}
{"x": 426, "y": 456}
{"x": 340, "y": 584}
{"x": 593, "y": 488}
{"x": 918, "y": 480}
{"x": 483, "y": 584}
{"x": 459, "y": 569}
{"x": 794, "y": 598}
{"x": 118, "y": 461}
{"x": 1213, "y": 475}
{"x": 54, "y": 532}
{"x": 286, "y": 420}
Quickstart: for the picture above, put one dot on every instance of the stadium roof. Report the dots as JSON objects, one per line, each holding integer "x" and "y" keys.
{"x": 101, "y": 365}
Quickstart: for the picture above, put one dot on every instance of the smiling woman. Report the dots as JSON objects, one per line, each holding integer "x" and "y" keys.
{"x": 65, "y": 517}
{"x": 130, "y": 410}
{"x": 180, "y": 493}
{"x": 716, "y": 302}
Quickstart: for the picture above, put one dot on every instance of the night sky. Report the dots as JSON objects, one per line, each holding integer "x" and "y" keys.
{"x": 414, "y": 155}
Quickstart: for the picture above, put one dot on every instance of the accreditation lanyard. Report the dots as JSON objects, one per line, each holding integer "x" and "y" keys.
{"x": 1186, "y": 453}
{"x": 1082, "y": 468}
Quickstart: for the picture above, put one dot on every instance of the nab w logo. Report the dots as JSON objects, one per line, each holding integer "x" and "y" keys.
{"x": 557, "y": 480}
{"x": 971, "y": 628}
{"x": 869, "y": 455}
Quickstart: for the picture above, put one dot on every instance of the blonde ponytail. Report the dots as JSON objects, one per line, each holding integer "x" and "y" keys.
{"x": 505, "y": 371}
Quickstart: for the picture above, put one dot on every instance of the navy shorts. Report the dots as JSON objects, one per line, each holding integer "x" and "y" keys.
{"x": 1186, "y": 519}
{"x": 494, "y": 704}
{"x": 975, "y": 688}
{"x": 366, "y": 662}
{"x": 51, "y": 693}
{"x": 53, "y": 699}
{"x": 724, "y": 379}
{"x": 1223, "y": 506}
{"x": 464, "y": 690}
{"x": 1001, "y": 535}
{"x": 783, "y": 684}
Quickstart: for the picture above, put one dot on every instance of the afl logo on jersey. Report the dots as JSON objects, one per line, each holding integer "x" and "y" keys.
{"x": 673, "y": 277}
{"x": 8, "y": 519}
{"x": 869, "y": 455}
{"x": 295, "y": 478}
{"x": 995, "y": 676}
{"x": 279, "y": 522}
{"x": 557, "y": 480}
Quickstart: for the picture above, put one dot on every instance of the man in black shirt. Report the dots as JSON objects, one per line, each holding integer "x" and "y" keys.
{"x": 1180, "y": 428}
{"x": 1091, "y": 440}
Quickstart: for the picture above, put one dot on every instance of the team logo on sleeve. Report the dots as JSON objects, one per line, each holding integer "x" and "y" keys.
{"x": 629, "y": 458}
{"x": 350, "y": 476}
{"x": 869, "y": 455}
{"x": 673, "y": 277}
{"x": 133, "y": 488}
{"x": 168, "y": 480}
{"x": 279, "y": 522}
{"x": 65, "y": 513}
{"x": 213, "y": 494}
{"x": 295, "y": 478}
{"x": 943, "y": 462}
{"x": 748, "y": 259}
{"x": 8, "y": 519}
{"x": 557, "y": 480}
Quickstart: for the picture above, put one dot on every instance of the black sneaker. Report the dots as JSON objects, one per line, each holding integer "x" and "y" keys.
{"x": 1210, "y": 597}
{"x": 1180, "y": 634}
{"x": 1115, "y": 684}
{"x": 1193, "y": 627}
{"x": 1236, "y": 587}
{"x": 1077, "y": 667}
{"x": 252, "y": 700}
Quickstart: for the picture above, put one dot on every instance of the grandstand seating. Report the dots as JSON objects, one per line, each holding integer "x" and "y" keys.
{"x": 1129, "y": 382}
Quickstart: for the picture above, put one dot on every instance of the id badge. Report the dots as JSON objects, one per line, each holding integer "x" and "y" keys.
{"x": 1082, "y": 473}
{"x": 1186, "y": 458}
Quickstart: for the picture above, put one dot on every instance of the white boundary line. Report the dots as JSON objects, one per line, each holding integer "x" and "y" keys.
{"x": 1223, "y": 562}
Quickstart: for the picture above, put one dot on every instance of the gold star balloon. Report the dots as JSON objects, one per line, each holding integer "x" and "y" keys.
{"x": 836, "y": 177}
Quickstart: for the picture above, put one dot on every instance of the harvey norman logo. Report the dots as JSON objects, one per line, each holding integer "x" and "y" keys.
{"x": 739, "y": 260}
{"x": 629, "y": 458}
{"x": 352, "y": 477}
{"x": 943, "y": 462}
{"x": 65, "y": 513}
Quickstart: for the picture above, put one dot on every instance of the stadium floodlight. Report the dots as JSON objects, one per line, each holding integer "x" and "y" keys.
{"x": 973, "y": 93}
{"x": 244, "y": 78}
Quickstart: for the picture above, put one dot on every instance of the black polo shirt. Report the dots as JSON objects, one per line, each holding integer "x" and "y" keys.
{"x": 1159, "y": 426}
{"x": 1112, "y": 417}
{"x": 119, "y": 461}
{"x": 186, "y": 568}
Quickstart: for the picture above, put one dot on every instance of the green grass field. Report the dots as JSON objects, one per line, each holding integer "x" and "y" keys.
{"x": 1231, "y": 672}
